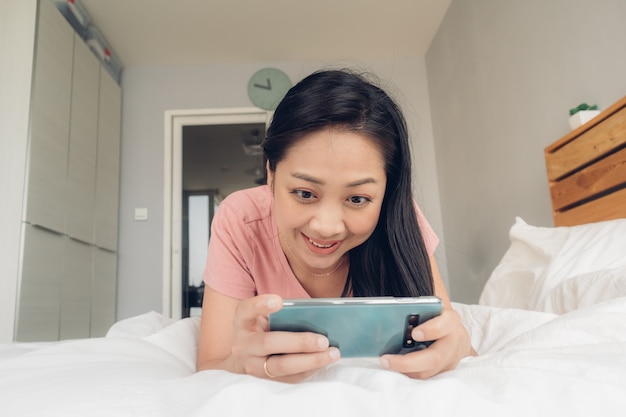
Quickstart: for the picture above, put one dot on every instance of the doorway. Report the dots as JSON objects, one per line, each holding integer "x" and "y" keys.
{"x": 208, "y": 154}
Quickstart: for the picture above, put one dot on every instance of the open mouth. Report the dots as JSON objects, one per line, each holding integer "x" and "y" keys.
{"x": 322, "y": 247}
{"x": 319, "y": 245}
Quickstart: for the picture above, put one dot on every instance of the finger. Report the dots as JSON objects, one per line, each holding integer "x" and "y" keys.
{"x": 284, "y": 378}
{"x": 298, "y": 366}
{"x": 451, "y": 344}
{"x": 249, "y": 310}
{"x": 437, "y": 327}
{"x": 422, "y": 364}
{"x": 296, "y": 342}
{"x": 270, "y": 343}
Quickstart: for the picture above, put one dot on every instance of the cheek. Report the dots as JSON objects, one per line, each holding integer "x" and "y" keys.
{"x": 286, "y": 212}
{"x": 363, "y": 225}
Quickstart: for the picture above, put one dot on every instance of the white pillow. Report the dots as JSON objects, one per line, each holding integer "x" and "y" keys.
{"x": 540, "y": 258}
{"x": 586, "y": 290}
{"x": 140, "y": 326}
{"x": 529, "y": 254}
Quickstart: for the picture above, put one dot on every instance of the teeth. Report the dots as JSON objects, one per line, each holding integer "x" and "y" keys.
{"x": 317, "y": 245}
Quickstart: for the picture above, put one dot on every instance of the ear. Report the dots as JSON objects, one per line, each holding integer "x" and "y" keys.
{"x": 270, "y": 175}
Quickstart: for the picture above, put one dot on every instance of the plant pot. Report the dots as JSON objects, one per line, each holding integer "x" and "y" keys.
{"x": 582, "y": 117}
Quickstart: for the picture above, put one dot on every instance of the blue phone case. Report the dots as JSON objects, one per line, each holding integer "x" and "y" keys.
{"x": 359, "y": 326}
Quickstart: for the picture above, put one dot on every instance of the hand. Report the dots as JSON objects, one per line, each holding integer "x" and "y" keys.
{"x": 452, "y": 343}
{"x": 285, "y": 356}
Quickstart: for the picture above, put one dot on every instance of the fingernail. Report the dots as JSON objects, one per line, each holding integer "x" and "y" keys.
{"x": 272, "y": 302}
{"x": 334, "y": 353}
{"x": 384, "y": 362}
{"x": 417, "y": 335}
{"x": 322, "y": 342}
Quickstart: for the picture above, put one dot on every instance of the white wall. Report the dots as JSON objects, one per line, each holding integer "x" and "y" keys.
{"x": 149, "y": 92}
{"x": 17, "y": 39}
{"x": 502, "y": 76}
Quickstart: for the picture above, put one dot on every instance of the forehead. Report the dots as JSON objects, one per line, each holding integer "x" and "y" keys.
{"x": 335, "y": 156}
{"x": 335, "y": 142}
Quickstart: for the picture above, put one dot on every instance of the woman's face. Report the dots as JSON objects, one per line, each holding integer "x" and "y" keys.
{"x": 328, "y": 193}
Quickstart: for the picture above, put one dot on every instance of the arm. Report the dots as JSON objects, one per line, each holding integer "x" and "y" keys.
{"x": 233, "y": 332}
{"x": 452, "y": 342}
{"x": 441, "y": 292}
{"x": 218, "y": 312}
{"x": 439, "y": 287}
{"x": 234, "y": 337}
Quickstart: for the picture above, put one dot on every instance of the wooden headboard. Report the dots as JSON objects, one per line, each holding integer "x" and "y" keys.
{"x": 587, "y": 170}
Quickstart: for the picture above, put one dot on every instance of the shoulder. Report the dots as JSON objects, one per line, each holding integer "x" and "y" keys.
{"x": 249, "y": 205}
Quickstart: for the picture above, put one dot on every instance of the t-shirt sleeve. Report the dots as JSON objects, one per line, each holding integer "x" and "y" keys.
{"x": 431, "y": 240}
{"x": 230, "y": 255}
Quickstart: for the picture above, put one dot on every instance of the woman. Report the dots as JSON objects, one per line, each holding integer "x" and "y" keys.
{"x": 336, "y": 218}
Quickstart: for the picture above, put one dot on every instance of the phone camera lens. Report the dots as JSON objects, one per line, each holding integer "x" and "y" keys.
{"x": 412, "y": 321}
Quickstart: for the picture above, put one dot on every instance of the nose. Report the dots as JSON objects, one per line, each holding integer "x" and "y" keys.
{"x": 328, "y": 221}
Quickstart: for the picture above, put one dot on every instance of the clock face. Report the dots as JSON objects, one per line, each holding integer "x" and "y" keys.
{"x": 267, "y": 87}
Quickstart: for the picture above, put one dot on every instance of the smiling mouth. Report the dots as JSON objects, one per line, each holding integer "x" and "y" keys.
{"x": 323, "y": 247}
{"x": 319, "y": 245}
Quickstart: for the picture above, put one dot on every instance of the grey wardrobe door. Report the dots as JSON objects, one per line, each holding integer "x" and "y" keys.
{"x": 104, "y": 287}
{"x": 75, "y": 309}
{"x": 50, "y": 112}
{"x": 107, "y": 173}
{"x": 40, "y": 288}
{"x": 81, "y": 168}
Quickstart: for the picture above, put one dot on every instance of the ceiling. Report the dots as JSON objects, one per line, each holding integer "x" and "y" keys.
{"x": 201, "y": 32}
{"x": 205, "y": 32}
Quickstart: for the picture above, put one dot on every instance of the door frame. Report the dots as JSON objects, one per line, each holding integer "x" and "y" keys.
{"x": 175, "y": 120}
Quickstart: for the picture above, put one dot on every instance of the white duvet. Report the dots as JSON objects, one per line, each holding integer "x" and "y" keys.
{"x": 530, "y": 364}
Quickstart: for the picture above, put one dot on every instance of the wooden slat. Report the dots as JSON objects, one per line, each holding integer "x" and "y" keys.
{"x": 610, "y": 207}
{"x": 605, "y": 114}
{"x": 604, "y": 175}
{"x": 590, "y": 145}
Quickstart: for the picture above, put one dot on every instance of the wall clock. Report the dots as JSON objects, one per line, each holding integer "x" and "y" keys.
{"x": 267, "y": 87}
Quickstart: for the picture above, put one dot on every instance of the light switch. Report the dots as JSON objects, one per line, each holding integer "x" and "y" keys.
{"x": 141, "y": 214}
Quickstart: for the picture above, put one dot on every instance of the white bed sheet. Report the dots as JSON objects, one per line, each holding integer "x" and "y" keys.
{"x": 530, "y": 364}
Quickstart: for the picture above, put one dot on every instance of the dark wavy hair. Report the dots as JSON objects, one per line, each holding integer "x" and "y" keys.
{"x": 393, "y": 261}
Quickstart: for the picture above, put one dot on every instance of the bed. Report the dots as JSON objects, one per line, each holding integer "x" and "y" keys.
{"x": 550, "y": 329}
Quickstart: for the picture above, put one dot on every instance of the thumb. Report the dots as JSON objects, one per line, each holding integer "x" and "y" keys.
{"x": 269, "y": 303}
{"x": 250, "y": 310}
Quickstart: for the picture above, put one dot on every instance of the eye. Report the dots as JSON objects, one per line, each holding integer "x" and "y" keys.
{"x": 304, "y": 196}
{"x": 359, "y": 200}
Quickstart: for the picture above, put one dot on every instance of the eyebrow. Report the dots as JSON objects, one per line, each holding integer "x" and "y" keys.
{"x": 314, "y": 180}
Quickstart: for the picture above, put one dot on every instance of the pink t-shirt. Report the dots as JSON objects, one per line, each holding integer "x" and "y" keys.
{"x": 245, "y": 257}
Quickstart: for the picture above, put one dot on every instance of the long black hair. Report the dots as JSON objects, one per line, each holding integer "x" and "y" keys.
{"x": 393, "y": 261}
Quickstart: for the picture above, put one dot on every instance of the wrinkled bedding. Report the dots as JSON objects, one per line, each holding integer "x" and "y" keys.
{"x": 530, "y": 363}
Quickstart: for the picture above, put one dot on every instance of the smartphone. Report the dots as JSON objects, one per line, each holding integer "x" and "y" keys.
{"x": 359, "y": 326}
